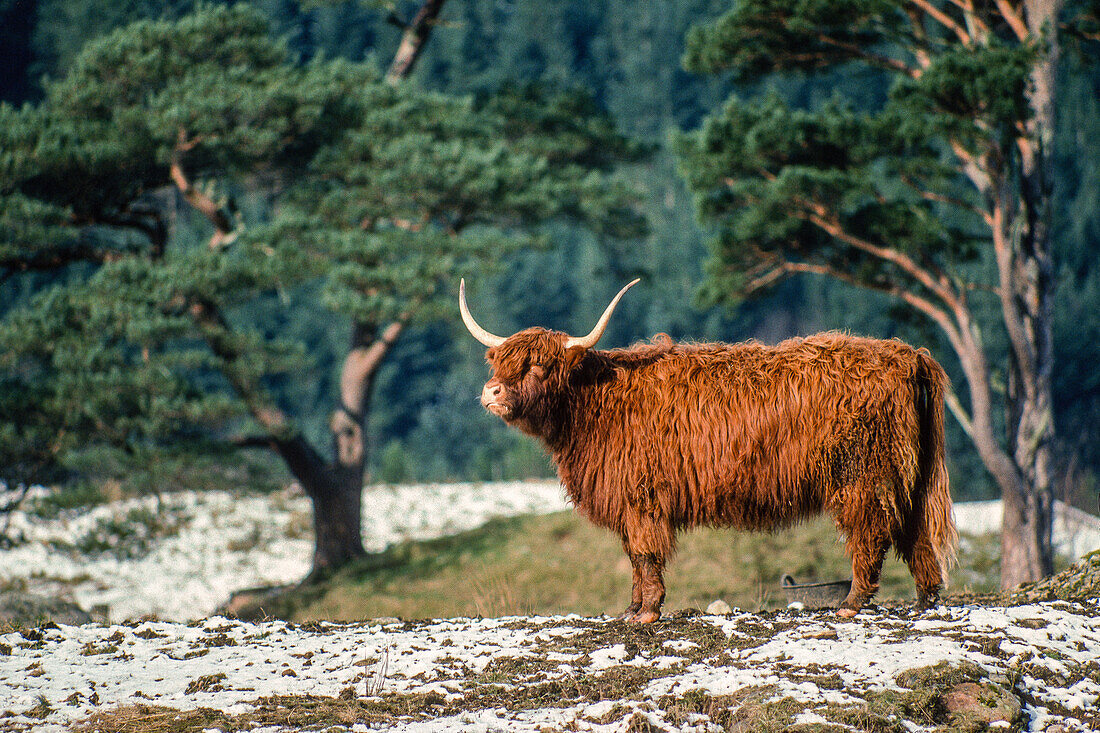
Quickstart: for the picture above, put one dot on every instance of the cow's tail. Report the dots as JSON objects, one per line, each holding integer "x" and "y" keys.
{"x": 935, "y": 523}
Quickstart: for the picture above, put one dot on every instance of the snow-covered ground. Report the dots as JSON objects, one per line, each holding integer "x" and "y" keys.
{"x": 563, "y": 673}
{"x": 217, "y": 543}
{"x": 203, "y": 546}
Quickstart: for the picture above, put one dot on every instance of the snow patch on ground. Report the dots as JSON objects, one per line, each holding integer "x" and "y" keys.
{"x": 1076, "y": 533}
{"x": 73, "y": 671}
{"x": 218, "y": 543}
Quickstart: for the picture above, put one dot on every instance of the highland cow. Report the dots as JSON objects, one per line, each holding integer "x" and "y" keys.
{"x": 664, "y": 436}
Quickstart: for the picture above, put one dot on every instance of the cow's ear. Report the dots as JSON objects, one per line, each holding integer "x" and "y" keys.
{"x": 491, "y": 354}
{"x": 573, "y": 356}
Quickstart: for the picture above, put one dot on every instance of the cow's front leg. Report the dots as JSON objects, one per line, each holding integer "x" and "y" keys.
{"x": 649, "y": 540}
{"x": 635, "y": 588}
{"x": 868, "y": 548}
{"x": 652, "y": 588}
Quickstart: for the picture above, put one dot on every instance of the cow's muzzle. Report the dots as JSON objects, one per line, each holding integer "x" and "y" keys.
{"x": 491, "y": 395}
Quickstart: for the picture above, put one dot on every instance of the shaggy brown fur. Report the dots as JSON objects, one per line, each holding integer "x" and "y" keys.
{"x": 661, "y": 437}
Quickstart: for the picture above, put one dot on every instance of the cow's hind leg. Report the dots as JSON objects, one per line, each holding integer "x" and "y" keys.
{"x": 924, "y": 565}
{"x": 862, "y": 516}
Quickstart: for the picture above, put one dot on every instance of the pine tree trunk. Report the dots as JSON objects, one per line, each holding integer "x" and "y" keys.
{"x": 1026, "y": 283}
{"x": 1027, "y": 489}
{"x": 336, "y": 492}
{"x": 336, "y": 489}
{"x": 337, "y": 511}
{"x": 1026, "y": 552}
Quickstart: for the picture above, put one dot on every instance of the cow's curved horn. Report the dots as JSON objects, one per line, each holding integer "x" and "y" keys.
{"x": 477, "y": 331}
{"x": 590, "y": 340}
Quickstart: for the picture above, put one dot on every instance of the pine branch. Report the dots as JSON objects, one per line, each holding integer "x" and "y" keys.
{"x": 919, "y": 39}
{"x": 1015, "y": 19}
{"x": 832, "y": 226}
{"x": 251, "y": 441}
{"x": 857, "y": 51}
{"x": 951, "y": 398}
{"x": 223, "y": 227}
{"x": 416, "y": 34}
{"x": 943, "y": 19}
{"x": 301, "y": 458}
{"x": 145, "y": 220}
{"x": 944, "y": 199}
{"x": 941, "y": 317}
{"x": 974, "y": 23}
{"x": 58, "y": 258}
{"x": 218, "y": 335}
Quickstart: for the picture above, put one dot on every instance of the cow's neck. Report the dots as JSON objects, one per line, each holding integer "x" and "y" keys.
{"x": 576, "y": 415}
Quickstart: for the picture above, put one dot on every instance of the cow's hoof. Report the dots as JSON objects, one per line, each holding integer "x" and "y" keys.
{"x": 847, "y": 612}
{"x": 630, "y": 612}
{"x": 644, "y": 617}
{"x": 927, "y": 602}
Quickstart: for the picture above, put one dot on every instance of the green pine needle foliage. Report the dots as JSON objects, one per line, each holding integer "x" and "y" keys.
{"x": 143, "y": 338}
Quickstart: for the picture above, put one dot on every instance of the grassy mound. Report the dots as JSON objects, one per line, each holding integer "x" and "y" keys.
{"x": 1078, "y": 582}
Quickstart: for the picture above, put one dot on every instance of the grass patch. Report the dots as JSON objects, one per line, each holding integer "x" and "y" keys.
{"x": 318, "y": 712}
{"x": 76, "y": 496}
{"x": 559, "y": 563}
{"x": 750, "y": 709}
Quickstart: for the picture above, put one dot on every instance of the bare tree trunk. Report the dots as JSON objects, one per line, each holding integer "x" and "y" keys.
{"x": 336, "y": 494}
{"x": 336, "y": 489}
{"x": 1026, "y": 287}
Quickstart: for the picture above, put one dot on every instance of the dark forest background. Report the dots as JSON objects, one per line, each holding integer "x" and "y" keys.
{"x": 425, "y": 423}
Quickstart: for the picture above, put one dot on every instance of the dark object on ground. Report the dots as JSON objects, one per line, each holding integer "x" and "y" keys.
{"x": 815, "y": 595}
{"x": 661, "y": 437}
{"x": 27, "y": 609}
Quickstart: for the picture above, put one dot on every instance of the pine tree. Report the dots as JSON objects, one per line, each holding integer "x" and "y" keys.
{"x": 937, "y": 196}
{"x": 315, "y": 181}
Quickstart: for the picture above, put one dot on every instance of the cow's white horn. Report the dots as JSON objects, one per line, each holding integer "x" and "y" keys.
{"x": 477, "y": 331}
{"x": 590, "y": 340}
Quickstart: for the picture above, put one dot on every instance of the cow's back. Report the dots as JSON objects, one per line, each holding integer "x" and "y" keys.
{"x": 746, "y": 435}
